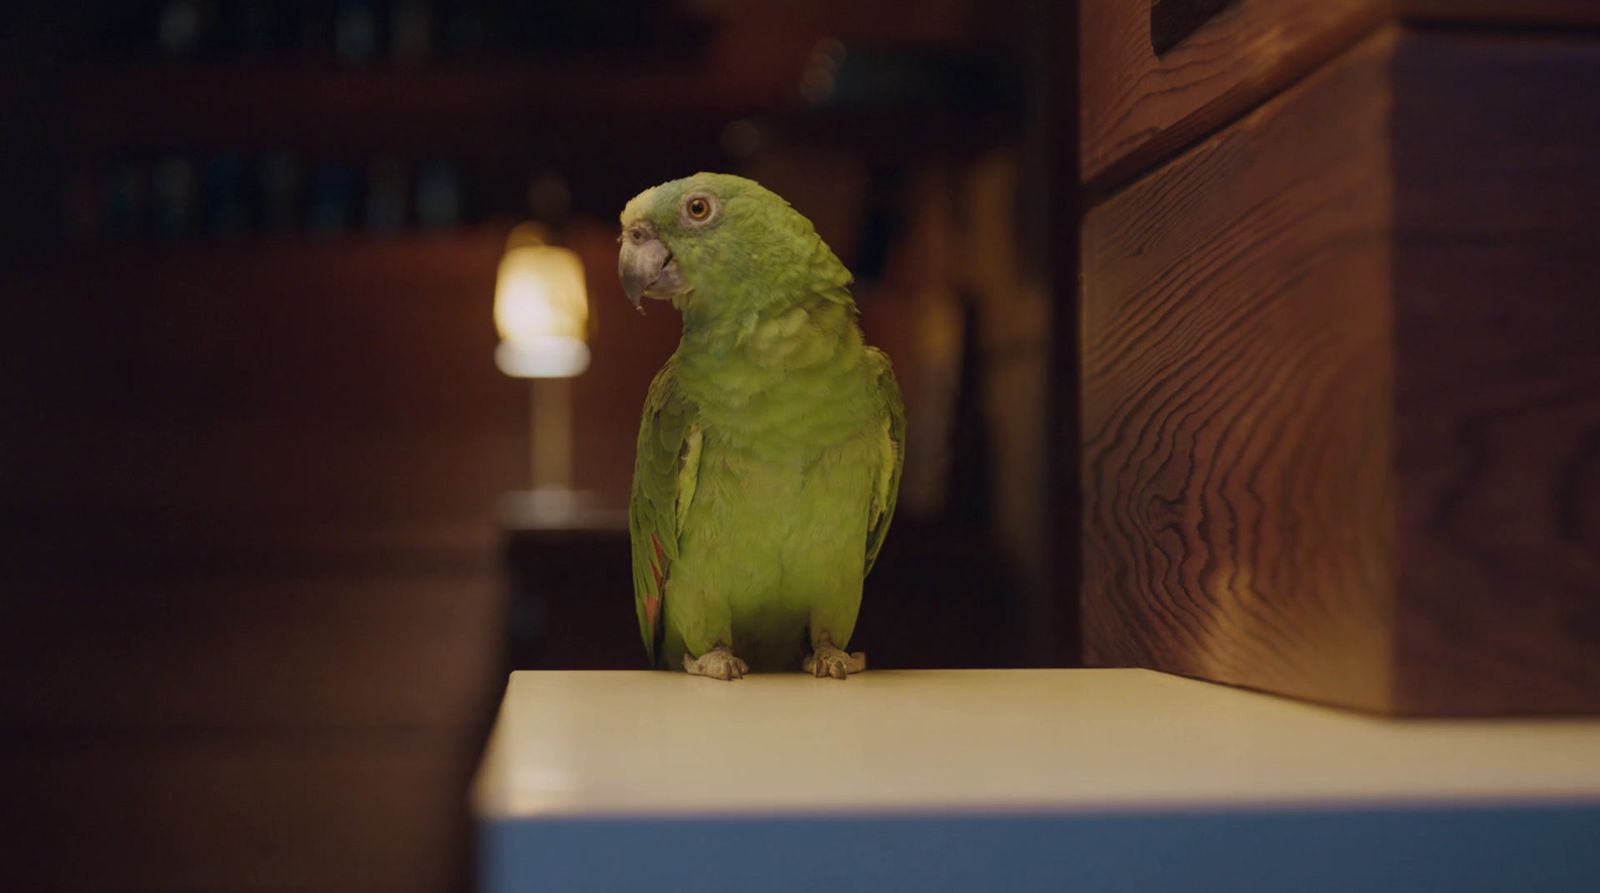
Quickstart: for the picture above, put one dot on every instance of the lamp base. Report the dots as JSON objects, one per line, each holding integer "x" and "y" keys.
{"x": 551, "y": 508}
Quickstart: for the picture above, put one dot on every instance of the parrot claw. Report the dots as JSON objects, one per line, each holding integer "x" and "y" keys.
{"x": 718, "y": 663}
{"x": 827, "y": 661}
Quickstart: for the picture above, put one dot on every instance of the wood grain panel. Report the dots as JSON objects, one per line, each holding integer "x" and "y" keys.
{"x": 1342, "y": 389}
{"x": 1138, "y": 107}
{"x": 1236, "y": 376}
{"x": 1497, "y": 322}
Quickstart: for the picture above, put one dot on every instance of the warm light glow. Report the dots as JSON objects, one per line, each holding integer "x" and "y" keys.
{"x": 541, "y": 309}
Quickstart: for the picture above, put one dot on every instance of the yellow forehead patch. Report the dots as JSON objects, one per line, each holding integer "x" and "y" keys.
{"x": 639, "y": 205}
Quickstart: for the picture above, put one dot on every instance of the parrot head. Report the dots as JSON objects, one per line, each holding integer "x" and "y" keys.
{"x": 717, "y": 239}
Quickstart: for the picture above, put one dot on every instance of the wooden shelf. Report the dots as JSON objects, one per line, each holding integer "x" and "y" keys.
{"x": 440, "y": 107}
{"x": 1014, "y": 780}
{"x": 419, "y": 248}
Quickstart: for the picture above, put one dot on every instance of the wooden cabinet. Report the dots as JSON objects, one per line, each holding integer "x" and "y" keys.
{"x": 1236, "y": 371}
{"x": 1341, "y": 398}
{"x": 1157, "y": 74}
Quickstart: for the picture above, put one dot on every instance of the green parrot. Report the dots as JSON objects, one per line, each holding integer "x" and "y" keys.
{"x": 770, "y": 451}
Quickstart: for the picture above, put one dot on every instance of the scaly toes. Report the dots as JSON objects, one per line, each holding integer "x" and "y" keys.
{"x": 828, "y": 661}
{"x": 814, "y": 666}
{"x": 718, "y": 663}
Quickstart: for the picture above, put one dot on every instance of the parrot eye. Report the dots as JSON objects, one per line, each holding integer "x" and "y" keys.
{"x": 698, "y": 209}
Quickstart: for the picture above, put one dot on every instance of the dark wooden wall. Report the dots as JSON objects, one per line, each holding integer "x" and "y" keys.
{"x": 251, "y": 618}
{"x": 253, "y": 597}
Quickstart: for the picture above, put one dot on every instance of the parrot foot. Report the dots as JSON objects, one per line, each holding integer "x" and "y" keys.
{"x": 827, "y": 660}
{"x": 718, "y": 663}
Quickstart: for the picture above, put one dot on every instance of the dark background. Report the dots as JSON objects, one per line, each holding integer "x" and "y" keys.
{"x": 258, "y": 591}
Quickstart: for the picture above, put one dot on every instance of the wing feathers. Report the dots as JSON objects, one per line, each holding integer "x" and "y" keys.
{"x": 892, "y": 453}
{"x": 665, "y": 471}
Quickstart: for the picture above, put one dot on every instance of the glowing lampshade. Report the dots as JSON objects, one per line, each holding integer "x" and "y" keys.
{"x": 540, "y": 308}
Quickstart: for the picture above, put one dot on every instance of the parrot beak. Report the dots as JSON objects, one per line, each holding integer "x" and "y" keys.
{"x": 645, "y": 265}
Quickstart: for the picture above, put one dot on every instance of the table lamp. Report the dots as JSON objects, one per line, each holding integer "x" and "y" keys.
{"x": 541, "y": 310}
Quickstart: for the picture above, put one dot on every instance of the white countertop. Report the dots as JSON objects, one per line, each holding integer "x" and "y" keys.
{"x": 963, "y": 742}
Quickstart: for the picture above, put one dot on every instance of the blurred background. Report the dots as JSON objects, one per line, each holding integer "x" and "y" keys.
{"x": 274, "y": 523}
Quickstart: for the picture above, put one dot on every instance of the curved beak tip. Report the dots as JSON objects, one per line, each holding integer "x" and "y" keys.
{"x": 640, "y": 264}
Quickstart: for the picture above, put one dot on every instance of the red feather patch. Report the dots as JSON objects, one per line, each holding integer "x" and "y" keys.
{"x": 660, "y": 562}
{"x": 652, "y": 603}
